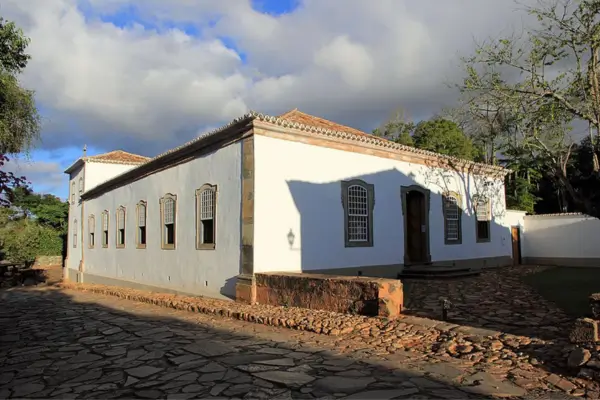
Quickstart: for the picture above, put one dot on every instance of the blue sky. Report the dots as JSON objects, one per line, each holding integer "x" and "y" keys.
{"x": 147, "y": 76}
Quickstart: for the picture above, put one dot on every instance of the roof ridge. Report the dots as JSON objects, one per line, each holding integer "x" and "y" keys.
{"x": 118, "y": 151}
{"x": 254, "y": 115}
{"x": 365, "y": 137}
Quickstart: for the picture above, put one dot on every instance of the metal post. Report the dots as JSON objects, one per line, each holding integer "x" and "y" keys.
{"x": 445, "y": 305}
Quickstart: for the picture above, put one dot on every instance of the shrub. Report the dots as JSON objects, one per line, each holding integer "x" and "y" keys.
{"x": 24, "y": 240}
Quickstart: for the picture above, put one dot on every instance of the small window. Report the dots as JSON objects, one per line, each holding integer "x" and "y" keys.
{"x": 75, "y": 233}
{"x": 92, "y": 231}
{"x": 358, "y": 200}
{"x": 105, "y": 229}
{"x": 80, "y": 186}
{"x": 168, "y": 210}
{"x": 483, "y": 213}
{"x": 121, "y": 227}
{"x": 73, "y": 192}
{"x": 141, "y": 225}
{"x": 452, "y": 218}
{"x": 206, "y": 201}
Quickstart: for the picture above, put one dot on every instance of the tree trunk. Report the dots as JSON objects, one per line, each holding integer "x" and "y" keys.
{"x": 583, "y": 205}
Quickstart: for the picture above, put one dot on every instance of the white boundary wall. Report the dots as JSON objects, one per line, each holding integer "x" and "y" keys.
{"x": 561, "y": 239}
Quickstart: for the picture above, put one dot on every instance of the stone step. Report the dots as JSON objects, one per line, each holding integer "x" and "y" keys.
{"x": 428, "y": 269}
{"x": 437, "y": 273}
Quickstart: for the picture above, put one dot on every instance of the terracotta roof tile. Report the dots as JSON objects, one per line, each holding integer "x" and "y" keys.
{"x": 565, "y": 214}
{"x": 296, "y": 119}
{"x": 306, "y": 119}
{"x": 119, "y": 156}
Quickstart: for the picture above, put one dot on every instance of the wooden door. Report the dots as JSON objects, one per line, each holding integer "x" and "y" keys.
{"x": 415, "y": 214}
{"x": 516, "y": 244}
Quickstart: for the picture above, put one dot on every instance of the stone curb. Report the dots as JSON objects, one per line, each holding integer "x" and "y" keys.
{"x": 321, "y": 322}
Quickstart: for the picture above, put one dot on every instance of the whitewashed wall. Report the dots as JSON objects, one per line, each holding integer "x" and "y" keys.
{"x": 96, "y": 173}
{"x": 298, "y": 191}
{"x": 74, "y": 252}
{"x": 92, "y": 174}
{"x": 185, "y": 269}
{"x": 562, "y": 239}
{"x": 516, "y": 218}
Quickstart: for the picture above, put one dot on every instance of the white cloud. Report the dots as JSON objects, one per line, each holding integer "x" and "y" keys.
{"x": 351, "y": 60}
{"x": 147, "y": 90}
{"x": 46, "y": 176}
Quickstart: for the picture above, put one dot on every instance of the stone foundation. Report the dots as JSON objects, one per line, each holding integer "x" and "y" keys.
{"x": 48, "y": 261}
{"x": 595, "y": 305}
{"x": 585, "y": 357}
{"x": 392, "y": 270}
{"x": 341, "y": 294}
{"x": 245, "y": 289}
{"x": 585, "y": 330}
{"x": 75, "y": 276}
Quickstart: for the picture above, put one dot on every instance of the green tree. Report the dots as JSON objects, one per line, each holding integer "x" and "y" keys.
{"x": 543, "y": 81}
{"x": 443, "y": 136}
{"x": 47, "y": 209}
{"x": 23, "y": 240}
{"x": 397, "y": 129}
{"x": 521, "y": 185}
{"x": 19, "y": 118}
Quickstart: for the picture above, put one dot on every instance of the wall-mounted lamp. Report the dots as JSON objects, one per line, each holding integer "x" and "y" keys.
{"x": 290, "y": 238}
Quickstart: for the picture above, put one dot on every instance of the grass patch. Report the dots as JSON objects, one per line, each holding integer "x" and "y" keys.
{"x": 568, "y": 287}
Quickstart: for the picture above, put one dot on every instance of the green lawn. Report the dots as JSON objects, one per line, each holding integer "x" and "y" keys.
{"x": 567, "y": 287}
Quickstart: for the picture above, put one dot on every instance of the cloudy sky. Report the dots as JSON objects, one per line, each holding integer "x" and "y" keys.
{"x": 145, "y": 76}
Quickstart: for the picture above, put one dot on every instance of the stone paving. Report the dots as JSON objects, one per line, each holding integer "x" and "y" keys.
{"x": 59, "y": 343}
{"x": 497, "y": 299}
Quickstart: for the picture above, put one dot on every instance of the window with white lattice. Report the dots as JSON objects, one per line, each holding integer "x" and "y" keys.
{"x": 80, "y": 186}
{"x": 73, "y": 192}
{"x": 105, "y": 229}
{"x": 75, "y": 233}
{"x": 483, "y": 213}
{"x": 358, "y": 200}
{"x": 92, "y": 231}
{"x": 452, "y": 209}
{"x": 141, "y": 225}
{"x": 121, "y": 227}
{"x": 168, "y": 212}
{"x": 206, "y": 216}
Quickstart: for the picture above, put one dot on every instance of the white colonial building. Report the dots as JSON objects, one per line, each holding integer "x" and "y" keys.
{"x": 289, "y": 193}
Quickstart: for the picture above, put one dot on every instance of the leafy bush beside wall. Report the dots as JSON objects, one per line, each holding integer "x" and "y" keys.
{"x": 24, "y": 240}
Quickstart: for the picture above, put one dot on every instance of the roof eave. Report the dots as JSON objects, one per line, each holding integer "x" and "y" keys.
{"x": 101, "y": 161}
{"x": 72, "y": 167}
{"x": 386, "y": 145}
{"x": 167, "y": 158}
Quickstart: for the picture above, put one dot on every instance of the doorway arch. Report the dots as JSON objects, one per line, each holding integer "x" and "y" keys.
{"x": 415, "y": 212}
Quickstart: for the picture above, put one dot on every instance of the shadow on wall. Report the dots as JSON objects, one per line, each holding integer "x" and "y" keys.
{"x": 419, "y": 238}
{"x": 228, "y": 289}
{"x": 562, "y": 240}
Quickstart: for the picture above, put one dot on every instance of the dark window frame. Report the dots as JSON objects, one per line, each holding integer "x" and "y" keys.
{"x": 206, "y": 229}
{"x": 483, "y": 226}
{"x": 141, "y": 236}
{"x": 445, "y": 210}
{"x": 105, "y": 229}
{"x": 369, "y": 190}
{"x": 168, "y": 231}
{"x": 120, "y": 231}
{"x": 91, "y": 231}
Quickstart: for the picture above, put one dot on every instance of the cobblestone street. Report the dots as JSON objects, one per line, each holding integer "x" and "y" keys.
{"x": 497, "y": 299}
{"x": 68, "y": 344}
